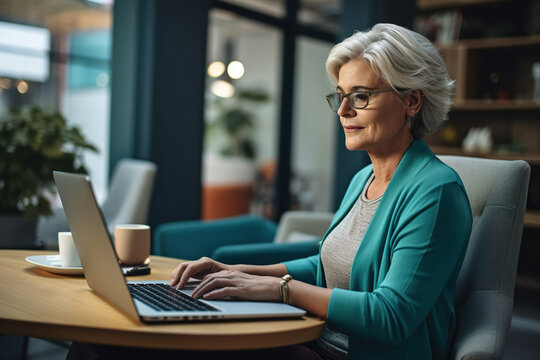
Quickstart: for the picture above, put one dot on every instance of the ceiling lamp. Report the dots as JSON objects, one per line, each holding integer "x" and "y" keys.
{"x": 222, "y": 88}
{"x": 22, "y": 86}
{"x": 216, "y": 69}
{"x": 235, "y": 69}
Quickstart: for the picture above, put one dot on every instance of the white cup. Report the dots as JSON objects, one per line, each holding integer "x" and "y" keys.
{"x": 68, "y": 252}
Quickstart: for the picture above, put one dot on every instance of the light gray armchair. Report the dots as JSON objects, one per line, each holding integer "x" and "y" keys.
{"x": 129, "y": 193}
{"x": 127, "y": 202}
{"x": 497, "y": 191}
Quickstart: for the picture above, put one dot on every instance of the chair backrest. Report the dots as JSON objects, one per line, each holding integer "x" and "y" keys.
{"x": 129, "y": 193}
{"x": 302, "y": 225}
{"x": 497, "y": 191}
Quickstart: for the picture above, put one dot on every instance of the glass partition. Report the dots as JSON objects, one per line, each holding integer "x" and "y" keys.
{"x": 314, "y": 126}
{"x": 62, "y": 56}
{"x": 241, "y": 115}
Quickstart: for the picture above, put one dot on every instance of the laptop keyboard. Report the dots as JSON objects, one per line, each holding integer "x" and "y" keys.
{"x": 163, "y": 297}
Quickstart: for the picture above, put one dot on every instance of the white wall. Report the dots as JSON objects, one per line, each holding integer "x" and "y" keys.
{"x": 262, "y": 55}
{"x": 89, "y": 109}
{"x": 314, "y": 126}
{"x": 258, "y": 47}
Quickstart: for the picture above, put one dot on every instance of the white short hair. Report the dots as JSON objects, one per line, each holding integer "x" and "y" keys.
{"x": 403, "y": 59}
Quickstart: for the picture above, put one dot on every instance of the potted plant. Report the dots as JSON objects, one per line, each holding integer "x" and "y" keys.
{"x": 33, "y": 143}
{"x": 228, "y": 164}
{"x": 231, "y": 123}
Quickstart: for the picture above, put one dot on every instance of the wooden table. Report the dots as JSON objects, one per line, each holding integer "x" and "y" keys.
{"x": 35, "y": 302}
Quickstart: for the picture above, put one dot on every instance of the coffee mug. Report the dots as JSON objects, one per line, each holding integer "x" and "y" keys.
{"x": 68, "y": 252}
{"x": 132, "y": 243}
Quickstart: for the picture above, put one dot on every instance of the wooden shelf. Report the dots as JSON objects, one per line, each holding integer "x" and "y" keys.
{"x": 481, "y": 104}
{"x": 531, "y": 158}
{"x": 495, "y": 43}
{"x": 532, "y": 219}
{"x": 442, "y": 4}
{"x": 528, "y": 282}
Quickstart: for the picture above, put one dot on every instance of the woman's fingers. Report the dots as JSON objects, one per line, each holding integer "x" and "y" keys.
{"x": 215, "y": 287}
{"x": 177, "y": 273}
{"x": 197, "y": 269}
{"x": 238, "y": 285}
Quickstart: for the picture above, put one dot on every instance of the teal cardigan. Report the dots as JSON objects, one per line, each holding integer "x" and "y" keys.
{"x": 400, "y": 302}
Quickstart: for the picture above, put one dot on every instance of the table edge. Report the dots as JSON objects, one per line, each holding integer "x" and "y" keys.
{"x": 166, "y": 340}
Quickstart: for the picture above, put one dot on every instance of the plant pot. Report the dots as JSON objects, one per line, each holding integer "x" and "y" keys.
{"x": 17, "y": 232}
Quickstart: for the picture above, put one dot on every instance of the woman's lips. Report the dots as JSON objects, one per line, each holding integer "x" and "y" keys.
{"x": 351, "y": 128}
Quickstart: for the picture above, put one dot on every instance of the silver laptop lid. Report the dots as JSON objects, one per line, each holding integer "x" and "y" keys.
{"x": 88, "y": 227}
{"x": 105, "y": 277}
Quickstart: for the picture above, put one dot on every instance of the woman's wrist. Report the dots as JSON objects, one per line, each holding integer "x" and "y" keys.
{"x": 277, "y": 270}
{"x": 276, "y": 289}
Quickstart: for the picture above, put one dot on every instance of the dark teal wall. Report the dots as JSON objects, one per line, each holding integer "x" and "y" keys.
{"x": 157, "y": 92}
{"x": 362, "y": 15}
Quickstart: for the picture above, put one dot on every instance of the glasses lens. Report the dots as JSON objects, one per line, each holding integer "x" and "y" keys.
{"x": 359, "y": 100}
{"x": 334, "y": 100}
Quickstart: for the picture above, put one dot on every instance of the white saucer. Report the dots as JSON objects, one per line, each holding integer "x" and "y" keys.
{"x": 52, "y": 263}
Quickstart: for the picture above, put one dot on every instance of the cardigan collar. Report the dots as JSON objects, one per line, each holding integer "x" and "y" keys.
{"x": 415, "y": 158}
{"x": 413, "y": 161}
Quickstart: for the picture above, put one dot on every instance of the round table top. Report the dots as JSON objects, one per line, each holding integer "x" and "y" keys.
{"x": 36, "y": 302}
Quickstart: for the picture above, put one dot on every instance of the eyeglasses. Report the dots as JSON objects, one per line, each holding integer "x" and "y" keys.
{"x": 357, "y": 99}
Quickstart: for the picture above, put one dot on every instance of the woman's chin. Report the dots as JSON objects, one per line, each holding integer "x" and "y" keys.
{"x": 352, "y": 145}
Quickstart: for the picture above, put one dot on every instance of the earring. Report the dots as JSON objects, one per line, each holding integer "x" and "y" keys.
{"x": 409, "y": 120}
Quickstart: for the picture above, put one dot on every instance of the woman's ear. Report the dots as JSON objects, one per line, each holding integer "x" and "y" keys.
{"x": 414, "y": 103}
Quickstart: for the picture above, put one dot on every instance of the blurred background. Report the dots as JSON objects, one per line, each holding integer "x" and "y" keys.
{"x": 227, "y": 97}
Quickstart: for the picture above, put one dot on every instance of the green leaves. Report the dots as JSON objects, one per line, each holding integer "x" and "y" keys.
{"x": 33, "y": 143}
{"x": 235, "y": 118}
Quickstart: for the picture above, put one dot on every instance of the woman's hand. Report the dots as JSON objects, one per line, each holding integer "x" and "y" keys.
{"x": 238, "y": 285}
{"x": 197, "y": 269}
{"x": 249, "y": 282}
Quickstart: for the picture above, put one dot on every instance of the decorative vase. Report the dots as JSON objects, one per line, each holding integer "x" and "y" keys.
{"x": 17, "y": 232}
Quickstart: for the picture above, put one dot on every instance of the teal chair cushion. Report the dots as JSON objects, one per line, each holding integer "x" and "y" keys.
{"x": 191, "y": 240}
{"x": 266, "y": 253}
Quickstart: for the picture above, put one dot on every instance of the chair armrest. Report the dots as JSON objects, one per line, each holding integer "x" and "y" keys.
{"x": 191, "y": 240}
{"x": 265, "y": 254}
{"x": 307, "y": 222}
{"x": 483, "y": 329}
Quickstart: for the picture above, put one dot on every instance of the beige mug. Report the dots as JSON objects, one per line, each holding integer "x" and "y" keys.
{"x": 132, "y": 243}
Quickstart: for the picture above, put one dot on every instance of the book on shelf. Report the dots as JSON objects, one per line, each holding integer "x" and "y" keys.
{"x": 441, "y": 27}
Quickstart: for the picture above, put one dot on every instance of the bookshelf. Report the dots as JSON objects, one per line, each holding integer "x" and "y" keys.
{"x": 490, "y": 47}
{"x": 532, "y": 158}
{"x": 493, "y": 105}
{"x": 440, "y": 4}
{"x": 493, "y": 73}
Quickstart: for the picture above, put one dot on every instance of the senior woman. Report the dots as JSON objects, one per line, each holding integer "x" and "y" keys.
{"x": 385, "y": 275}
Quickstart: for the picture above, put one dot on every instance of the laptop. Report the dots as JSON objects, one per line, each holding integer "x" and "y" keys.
{"x": 147, "y": 301}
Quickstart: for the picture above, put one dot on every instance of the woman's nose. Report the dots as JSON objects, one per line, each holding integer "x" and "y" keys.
{"x": 345, "y": 109}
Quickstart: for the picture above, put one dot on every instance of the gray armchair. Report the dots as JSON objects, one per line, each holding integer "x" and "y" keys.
{"x": 127, "y": 202}
{"x": 497, "y": 191}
